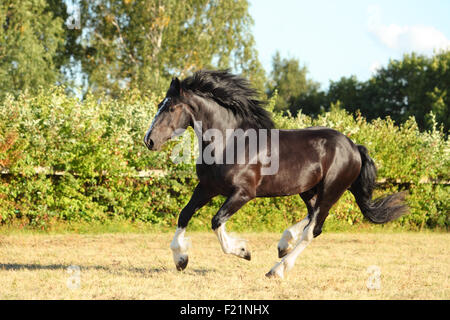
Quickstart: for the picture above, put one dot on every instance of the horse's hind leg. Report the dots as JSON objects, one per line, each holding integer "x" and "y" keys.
{"x": 290, "y": 236}
{"x": 326, "y": 198}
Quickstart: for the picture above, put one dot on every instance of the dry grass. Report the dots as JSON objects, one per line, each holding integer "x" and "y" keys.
{"x": 139, "y": 266}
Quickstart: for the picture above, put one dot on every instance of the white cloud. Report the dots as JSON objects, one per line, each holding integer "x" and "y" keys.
{"x": 419, "y": 38}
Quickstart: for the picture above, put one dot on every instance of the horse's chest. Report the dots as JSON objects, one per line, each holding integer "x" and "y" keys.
{"x": 213, "y": 176}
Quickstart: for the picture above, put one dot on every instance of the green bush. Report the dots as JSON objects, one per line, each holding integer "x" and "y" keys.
{"x": 90, "y": 154}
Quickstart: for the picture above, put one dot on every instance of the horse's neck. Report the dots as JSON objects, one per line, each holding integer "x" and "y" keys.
{"x": 211, "y": 116}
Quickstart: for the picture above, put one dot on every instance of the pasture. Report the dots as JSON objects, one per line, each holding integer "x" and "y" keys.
{"x": 140, "y": 266}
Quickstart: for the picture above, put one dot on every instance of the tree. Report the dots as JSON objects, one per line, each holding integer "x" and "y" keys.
{"x": 312, "y": 102}
{"x": 295, "y": 91}
{"x": 413, "y": 86}
{"x": 349, "y": 91}
{"x": 30, "y": 39}
{"x": 142, "y": 44}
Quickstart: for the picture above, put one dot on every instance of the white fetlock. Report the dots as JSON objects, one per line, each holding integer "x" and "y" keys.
{"x": 230, "y": 245}
{"x": 285, "y": 244}
{"x": 290, "y": 237}
{"x": 276, "y": 271}
{"x": 179, "y": 247}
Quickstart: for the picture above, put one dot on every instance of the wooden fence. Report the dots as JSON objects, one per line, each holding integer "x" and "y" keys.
{"x": 158, "y": 173}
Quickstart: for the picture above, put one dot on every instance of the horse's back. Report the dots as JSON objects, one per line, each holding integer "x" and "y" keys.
{"x": 305, "y": 157}
{"x": 323, "y": 136}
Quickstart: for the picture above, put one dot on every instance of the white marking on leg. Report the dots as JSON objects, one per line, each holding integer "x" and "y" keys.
{"x": 180, "y": 246}
{"x": 290, "y": 236}
{"x": 232, "y": 245}
{"x": 287, "y": 263}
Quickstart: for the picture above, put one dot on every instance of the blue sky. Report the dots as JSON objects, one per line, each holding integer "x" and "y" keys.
{"x": 335, "y": 38}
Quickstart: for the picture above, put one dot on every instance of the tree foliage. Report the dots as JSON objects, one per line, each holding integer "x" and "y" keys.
{"x": 294, "y": 90}
{"x": 31, "y": 43}
{"x": 142, "y": 44}
{"x": 413, "y": 86}
{"x": 416, "y": 86}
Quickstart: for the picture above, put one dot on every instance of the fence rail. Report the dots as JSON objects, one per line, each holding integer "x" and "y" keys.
{"x": 48, "y": 172}
{"x": 158, "y": 173}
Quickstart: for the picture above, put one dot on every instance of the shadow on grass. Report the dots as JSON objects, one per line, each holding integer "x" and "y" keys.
{"x": 111, "y": 269}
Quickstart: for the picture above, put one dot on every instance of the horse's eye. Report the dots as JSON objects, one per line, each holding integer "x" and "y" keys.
{"x": 171, "y": 108}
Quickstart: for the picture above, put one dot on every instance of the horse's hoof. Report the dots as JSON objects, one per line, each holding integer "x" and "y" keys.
{"x": 272, "y": 275}
{"x": 182, "y": 263}
{"x": 247, "y": 256}
{"x": 282, "y": 252}
{"x": 276, "y": 272}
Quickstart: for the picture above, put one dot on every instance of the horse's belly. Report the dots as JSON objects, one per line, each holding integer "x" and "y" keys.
{"x": 286, "y": 184}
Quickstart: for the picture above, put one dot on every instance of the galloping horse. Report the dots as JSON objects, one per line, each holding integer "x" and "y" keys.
{"x": 317, "y": 163}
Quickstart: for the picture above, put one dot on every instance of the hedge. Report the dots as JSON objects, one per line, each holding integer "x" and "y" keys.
{"x": 96, "y": 146}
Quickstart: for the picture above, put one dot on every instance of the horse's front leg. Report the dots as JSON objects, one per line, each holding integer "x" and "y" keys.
{"x": 180, "y": 244}
{"x": 230, "y": 245}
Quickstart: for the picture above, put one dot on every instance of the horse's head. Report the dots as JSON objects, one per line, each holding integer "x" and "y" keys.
{"x": 172, "y": 117}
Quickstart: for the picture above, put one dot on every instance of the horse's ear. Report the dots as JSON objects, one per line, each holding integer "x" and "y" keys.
{"x": 175, "y": 86}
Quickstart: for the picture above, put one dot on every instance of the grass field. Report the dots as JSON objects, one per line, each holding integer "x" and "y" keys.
{"x": 140, "y": 266}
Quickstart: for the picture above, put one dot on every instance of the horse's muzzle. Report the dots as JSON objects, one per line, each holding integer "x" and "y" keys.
{"x": 149, "y": 143}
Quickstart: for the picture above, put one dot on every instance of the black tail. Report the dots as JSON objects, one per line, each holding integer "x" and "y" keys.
{"x": 380, "y": 210}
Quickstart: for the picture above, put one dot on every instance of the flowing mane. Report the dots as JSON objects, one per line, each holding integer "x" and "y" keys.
{"x": 232, "y": 92}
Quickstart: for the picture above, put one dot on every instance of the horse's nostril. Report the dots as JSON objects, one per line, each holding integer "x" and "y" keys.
{"x": 148, "y": 142}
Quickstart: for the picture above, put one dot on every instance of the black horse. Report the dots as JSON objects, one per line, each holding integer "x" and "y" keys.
{"x": 317, "y": 163}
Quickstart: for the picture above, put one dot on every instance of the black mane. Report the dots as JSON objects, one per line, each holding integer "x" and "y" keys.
{"x": 232, "y": 92}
